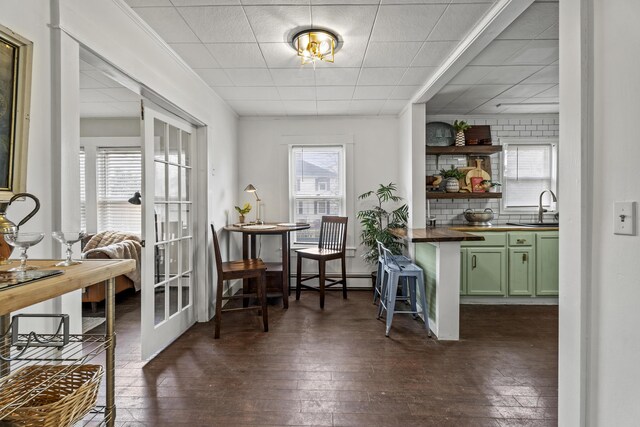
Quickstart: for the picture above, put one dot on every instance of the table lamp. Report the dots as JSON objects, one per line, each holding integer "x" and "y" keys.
{"x": 251, "y": 189}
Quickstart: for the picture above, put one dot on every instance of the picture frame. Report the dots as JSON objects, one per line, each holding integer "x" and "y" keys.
{"x": 16, "y": 56}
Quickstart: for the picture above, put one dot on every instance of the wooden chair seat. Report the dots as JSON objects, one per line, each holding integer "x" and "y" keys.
{"x": 253, "y": 269}
{"x": 331, "y": 246}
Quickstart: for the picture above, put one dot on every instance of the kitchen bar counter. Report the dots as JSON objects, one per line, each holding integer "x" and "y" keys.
{"x": 499, "y": 228}
{"x": 439, "y": 234}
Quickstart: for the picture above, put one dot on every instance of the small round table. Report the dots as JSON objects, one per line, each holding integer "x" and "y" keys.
{"x": 249, "y": 233}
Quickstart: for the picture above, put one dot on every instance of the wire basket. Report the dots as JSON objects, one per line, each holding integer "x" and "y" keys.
{"x": 49, "y": 396}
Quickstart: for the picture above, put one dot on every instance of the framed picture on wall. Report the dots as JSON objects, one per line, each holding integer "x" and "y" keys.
{"x": 16, "y": 54}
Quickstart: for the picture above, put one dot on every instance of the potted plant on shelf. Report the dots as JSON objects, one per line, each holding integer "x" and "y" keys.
{"x": 452, "y": 179}
{"x": 378, "y": 220}
{"x": 490, "y": 185}
{"x": 242, "y": 211}
{"x": 460, "y": 127}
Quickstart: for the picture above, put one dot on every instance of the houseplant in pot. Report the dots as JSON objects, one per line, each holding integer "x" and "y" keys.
{"x": 242, "y": 211}
{"x": 460, "y": 127}
{"x": 452, "y": 179}
{"x": 378, "y": 220}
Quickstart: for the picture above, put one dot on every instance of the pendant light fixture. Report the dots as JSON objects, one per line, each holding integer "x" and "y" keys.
{"x": 314, "y": 44}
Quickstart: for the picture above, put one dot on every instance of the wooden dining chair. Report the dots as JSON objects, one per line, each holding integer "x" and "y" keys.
{"x": 253, "y": 269}
{"x": 331, "y": 246}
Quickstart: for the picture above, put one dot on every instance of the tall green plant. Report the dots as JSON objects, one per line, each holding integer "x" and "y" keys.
{"x": 377, "y": 221}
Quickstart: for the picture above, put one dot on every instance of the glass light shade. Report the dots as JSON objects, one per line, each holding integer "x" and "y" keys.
{"x": 315, "y": 45}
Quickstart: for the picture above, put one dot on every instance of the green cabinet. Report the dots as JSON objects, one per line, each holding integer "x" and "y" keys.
{"x": 521, "y": 271}
{"x": 486, "y": 271}
{"x": 547, "y": 253}
{"x": 463, "y": 271}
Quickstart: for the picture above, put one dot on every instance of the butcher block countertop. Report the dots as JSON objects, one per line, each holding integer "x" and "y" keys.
{"x": 498, "y": 228}
{"x": 438, "y": 234}
{"x": 74, "y": 277}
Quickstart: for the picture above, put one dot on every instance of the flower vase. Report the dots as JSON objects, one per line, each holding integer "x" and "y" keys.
{"x": 460, "y": 138}
{"x": 241, "y": 219}
{"x": 452, "y": 185}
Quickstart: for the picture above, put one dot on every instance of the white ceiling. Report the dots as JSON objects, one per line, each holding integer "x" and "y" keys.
{"x": 101, "y": 96}
{"x": 240, "y": 48}
{"x": 519, "y": 67}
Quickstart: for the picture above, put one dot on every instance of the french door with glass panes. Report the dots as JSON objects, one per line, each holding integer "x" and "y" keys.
{"x": 167, "y": 228}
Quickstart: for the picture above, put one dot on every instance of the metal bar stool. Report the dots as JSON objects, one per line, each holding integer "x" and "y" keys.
{"x": 400, "y": 259}
{"x": 393, "y": 272}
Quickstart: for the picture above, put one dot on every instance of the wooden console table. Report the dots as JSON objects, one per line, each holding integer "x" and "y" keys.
{"x": 75, "y": 277}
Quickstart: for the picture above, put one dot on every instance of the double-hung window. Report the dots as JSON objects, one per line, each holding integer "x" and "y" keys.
{"x": 317, "y": 186}
{"x": 119, "y": 176}
{"x": 83, "y": 190}
{"x": 529, "y": 168}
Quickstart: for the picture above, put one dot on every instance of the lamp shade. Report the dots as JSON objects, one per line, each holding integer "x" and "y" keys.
{"x": 250, "y": 189}
{"x": 136, "y": 199}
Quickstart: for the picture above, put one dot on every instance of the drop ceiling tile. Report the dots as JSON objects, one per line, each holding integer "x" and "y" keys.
{"x": 485, "y": 91}
{"x": 217, "y": 24}
{"x": 267, "y": 93}
{"x": 294, "y": 108}
{"x": 549, "y": 74}
{"x": 525, "y": 91}
{"x": 509, "y": 74}
{"x": 349, "y": 22}
{"x": 534, "y": 21}
{"x": 350, "y": 54}
{"x": 94, "y": 95}
{"x": 552, "y": 92}
{"x": 297, "y": 93}
{"x": 195, "y": 54}
{"x": 417, "y": 75}
{"x": 214, "y": 77}
{"x": 393, "y": 106}
{"x": 243, "y": 108}
{"x": 98, "y": 109}
{"x": 101, "y": 77}
{"x": 167, "y": 22}
{"x": 551, "y": 33}
{"x": 121, "y": 94}
{"x": 85, "y": 66}
{"x": 205, "y": 2}
{"x": 280, "y": 55}
{"x": 336, "y": 76}
{"x": 128, "y": 109}
{"x": 406, "y": 22}
{"x": 498, "y": 52}
{"x": 274, "y": 2}
{"x": 250, "y": 76}
{"x": 433, "y": 54}
{"x": 366, "y": 107}
{"x": 333, "y": 107}
{"x": 147, "y": 3}
{"x": 537, "y": 52}
{"x": 275, "y": 23}
{"x": 532, "y": 109}
{"x": 88, "y": 82}
{"x": 391, "y": 54}
{"x": 458, "y": 20}
{"x": 237, "y": 55}
{"x": 293, "y": 76}
{"x": 470, "y": 75}
{"x": 380, "y": 76}
{"x": 448, "y": 93}
{"x": 324, "y": 93}
{"x": 373, "y": 92}
{"x": 269, "y": 108}
{"x": 404, "y": 92}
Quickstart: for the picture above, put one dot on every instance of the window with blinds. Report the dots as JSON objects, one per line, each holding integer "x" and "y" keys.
{"x": 528, "y": 170}
{"x": 119, "y": 176}
{"x": 317, "y": 187}
{"x": 83, "y": 191}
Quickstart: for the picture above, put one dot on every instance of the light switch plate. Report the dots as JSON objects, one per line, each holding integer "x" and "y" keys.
{"x": 624, "y": 218}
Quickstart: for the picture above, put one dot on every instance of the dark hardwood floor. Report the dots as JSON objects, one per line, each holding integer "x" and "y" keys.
{"x": 336, "y": 368}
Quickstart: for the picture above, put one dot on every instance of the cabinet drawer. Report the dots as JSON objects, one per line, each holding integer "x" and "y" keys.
{"x": 521, "y": 239}
{"x": 490, "y": 239}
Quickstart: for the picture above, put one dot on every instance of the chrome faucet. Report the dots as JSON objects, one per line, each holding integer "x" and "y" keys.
{"x": 541, "y": 210}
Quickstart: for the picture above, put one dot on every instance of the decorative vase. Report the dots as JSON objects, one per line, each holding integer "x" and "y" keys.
{"x": 241, "y": 219}
{"x": 460, "y": 138}
{"x": 452, "y": 185}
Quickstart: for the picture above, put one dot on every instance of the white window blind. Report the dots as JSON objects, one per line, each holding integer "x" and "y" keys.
{"x": 83, "y": 191}
{"x": 529, "y": 169}
{"x": 119, "y": 177}
{"x": 317, "y": 177}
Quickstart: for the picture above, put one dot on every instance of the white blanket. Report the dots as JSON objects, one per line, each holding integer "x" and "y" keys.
{"x": 126, "y": 249}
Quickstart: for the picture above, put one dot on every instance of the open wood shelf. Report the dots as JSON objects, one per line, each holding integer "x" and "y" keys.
{"x": 439, "y": 195}
{"x": 467, "y": 149}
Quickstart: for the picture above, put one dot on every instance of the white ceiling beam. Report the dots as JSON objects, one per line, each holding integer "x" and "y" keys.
{"x": 501, "y": 15}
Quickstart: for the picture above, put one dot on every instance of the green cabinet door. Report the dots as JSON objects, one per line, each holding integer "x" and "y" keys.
{"x": 486, "y": 271}
{"x": 463, "y": 271}
{"x": 521, "y": 271}
{"x": 547, "y": 254}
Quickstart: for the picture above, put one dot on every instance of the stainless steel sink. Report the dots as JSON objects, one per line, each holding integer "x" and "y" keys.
{"x": 534, "y": 224}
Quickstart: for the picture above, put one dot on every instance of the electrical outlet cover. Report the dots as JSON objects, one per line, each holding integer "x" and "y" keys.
{"x": 624, "y": 218}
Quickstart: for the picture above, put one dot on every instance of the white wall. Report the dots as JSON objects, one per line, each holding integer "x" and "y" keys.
{"x": 412, "y": 139}
{"x": 263, "y": 161}
{"x": 99, "y": 127}
{"x": 600, "y": 273}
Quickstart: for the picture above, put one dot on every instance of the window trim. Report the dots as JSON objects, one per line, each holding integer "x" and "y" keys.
{"x": 505, "y": 142}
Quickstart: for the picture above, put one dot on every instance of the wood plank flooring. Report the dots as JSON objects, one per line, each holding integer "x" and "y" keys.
{"x": 336, "y": 368}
